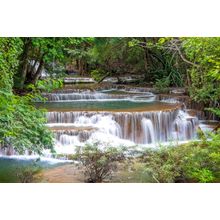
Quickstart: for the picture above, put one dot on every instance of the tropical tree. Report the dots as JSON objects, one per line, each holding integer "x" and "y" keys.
{"x": 22, "y": 126}
{"x": 204, "y": 52}
{"x": 39, "y": 54}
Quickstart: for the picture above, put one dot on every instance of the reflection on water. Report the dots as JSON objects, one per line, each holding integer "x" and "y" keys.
{"x": 11, "y": 166}
{"x": 106, "y": 105}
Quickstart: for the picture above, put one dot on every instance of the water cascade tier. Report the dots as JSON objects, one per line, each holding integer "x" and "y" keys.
{"x": 56, "y": 97}
{"x": 114, "y": 117}
{"x": 121, "y": 128}
{"x": 111, "y": 94}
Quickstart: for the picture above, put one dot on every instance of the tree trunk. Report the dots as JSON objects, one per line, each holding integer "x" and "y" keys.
{"x": 38, "y": 72}
{"x": 32, "y": 71}
{"x": 108, "y": 74}
{"x": 81, "y": 71}
{"x": 24, "y": 64}
{"x": 189, "y": 83}
{"x": 77, "y": 64}
{"x": 119, "y": 80}
{"x": 216, "y": 128}
{"x": 146, "y": 59}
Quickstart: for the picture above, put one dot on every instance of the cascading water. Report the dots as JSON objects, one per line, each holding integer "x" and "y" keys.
{"x": 132, "y": 118}
{"x": 125, "y": 128}
{"x": 113, "y": 128}
{"x": 88, "y": 95}
{"x": 148, "y": 130}
{"x": 75, "y": 96}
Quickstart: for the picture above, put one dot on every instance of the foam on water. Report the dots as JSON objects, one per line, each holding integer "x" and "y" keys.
{"x": 123, "y": 128}
{"x": 49, "y": 160}
{"x": 131, "y": 95}
{"x": 170, "y": 100}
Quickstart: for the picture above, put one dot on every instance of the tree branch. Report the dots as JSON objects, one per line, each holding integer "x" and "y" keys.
{"x": 182, "y": 57}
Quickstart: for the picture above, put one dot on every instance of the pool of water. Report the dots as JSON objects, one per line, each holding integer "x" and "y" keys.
{"x": 11, "y": 166}
{"x": 106, "y": 105}
{"x": 124, "y": 92}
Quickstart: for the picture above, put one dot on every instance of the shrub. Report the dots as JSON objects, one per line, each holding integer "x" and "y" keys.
{"x": 193, "y": 162}
{"x": 27, "y": 174}
{"x": 161, "y": 85}
{"x": 99, "y": 163}
{"x": 22, "y": 126}
{"x": 97, "y": 74}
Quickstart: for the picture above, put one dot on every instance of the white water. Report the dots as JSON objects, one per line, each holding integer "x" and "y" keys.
{"x": 120, "y": 128}
{"x": 148, "y": 129}
{"x": 132, "y": 95}
{"x": 55, "y": 97}
{"x": 145, "y": 129}
{"x": 169, "y": 100}
{"x": 49, "y": 160}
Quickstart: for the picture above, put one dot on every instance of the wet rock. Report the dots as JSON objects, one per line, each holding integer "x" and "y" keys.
{"x": 179, "y": 91}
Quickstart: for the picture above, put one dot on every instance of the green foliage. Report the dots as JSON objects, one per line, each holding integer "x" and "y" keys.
{"x": 159, "y": 166}
{"x": 99, "y": 163}
{"x": 161, "y": 62}
{"x": 207, "y": 93}
{"x": 114, "y": 55}
{"x": 158, "y": 57}
{"x": 26, "y": 174}
{"x": 42, "y": 54}
{"x": 49, "y": 85}
{"x": 203, "y": 175}
{"x": 51, "y": 47}
{"x": 22, "y": 126}
{"x": 78, "y": 48}
{"x": 192, "y": 162}
{"x": 132, "y": 171}
{"x": 204, "y": 52}
{"x": 162, "y": 85}
{"x": 10, "y": 49}
{"x": 216, "y": 111}
{"x": 97, "y": 74}
{"x": 46, "y": 85}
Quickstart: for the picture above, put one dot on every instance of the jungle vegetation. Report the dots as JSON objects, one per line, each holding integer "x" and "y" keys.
{"x": 190, "y": 62}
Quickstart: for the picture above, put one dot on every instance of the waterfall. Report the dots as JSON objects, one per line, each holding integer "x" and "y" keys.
{"x": 127, "y": 126}
{"x": 88, "y": 95}
{"x": 148, "y": 130}
{"x": 65, "y": 136}
{"x": 135, "y": 127}
{"x": 185, "y": 126}
{"x": 142, "y": 125}
{"x": 75, "y": 96}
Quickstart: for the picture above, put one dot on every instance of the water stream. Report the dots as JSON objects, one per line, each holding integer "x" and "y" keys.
{"x": 114, "y": 117}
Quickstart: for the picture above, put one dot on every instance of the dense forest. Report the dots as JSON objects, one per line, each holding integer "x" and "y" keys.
{"x": 31, "y": 66}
